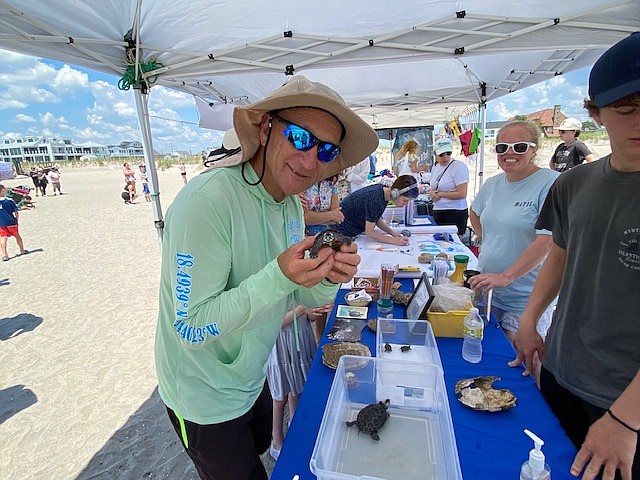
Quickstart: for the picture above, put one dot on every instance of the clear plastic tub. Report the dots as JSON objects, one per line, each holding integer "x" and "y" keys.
{"x": 416, "y": 441}
{"x": 395, "y": 333}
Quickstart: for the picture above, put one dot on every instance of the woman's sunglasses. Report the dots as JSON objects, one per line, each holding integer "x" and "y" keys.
{"x": 445, "y": 153}
{"x": 518, "y": 147}
{"x": 303, "y": 140}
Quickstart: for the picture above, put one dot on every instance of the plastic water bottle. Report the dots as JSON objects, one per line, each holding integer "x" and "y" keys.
{"x": 473, "y": 329}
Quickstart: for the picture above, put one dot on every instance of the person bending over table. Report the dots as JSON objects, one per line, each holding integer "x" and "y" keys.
{"x": 503, "y": 215}
{"x": 233, "y": 263}
{"x": 363, "y": 210}
{"x": 590, "y": 358}
{"x": 449, "y": 181}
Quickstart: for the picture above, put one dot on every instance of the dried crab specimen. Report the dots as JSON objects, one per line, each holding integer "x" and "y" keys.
{"x": 397, "y": 296}
{"x": 478, "y": 394}
{"x": 328, "y": 238}
{"x": 332, "y": 352}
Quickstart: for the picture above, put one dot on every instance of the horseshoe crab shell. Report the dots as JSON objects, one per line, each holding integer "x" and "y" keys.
{"x": 478, "y": 394}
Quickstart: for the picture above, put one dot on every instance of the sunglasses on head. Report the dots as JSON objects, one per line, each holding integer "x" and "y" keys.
{"x": 445, "y": 153}
{"x": 518, "y": 147}
{"x": 303, "y": 140}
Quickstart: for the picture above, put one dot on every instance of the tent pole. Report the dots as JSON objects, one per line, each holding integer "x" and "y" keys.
{"x": 145, "y": 130}
{"x": 483, "y": 109}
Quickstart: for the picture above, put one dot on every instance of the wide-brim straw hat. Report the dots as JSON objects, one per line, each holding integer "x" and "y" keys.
{"x": 359, "y": 141}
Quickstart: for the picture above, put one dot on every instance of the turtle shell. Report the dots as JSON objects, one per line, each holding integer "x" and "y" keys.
{"x": 329, "y": 238}
{"x": 371, "y": 418}
{"x": 331, "y": 352}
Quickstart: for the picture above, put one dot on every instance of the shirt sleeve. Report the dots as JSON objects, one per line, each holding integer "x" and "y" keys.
{"x": 460, "y": 174}
{"x": 552, "y": 216}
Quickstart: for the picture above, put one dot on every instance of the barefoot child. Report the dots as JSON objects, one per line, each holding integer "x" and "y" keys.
{"x": 8, "y": 223}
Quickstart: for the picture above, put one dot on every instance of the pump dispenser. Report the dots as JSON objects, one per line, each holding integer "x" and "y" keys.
{"x": 535, "y": 468}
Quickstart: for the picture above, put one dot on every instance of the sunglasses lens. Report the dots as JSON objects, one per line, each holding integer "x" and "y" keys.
{"x": 327, "y": 152}
{"x": 521, "y": 147}
{"x": 501, "y": 147}
{"x": 299, "y": 138}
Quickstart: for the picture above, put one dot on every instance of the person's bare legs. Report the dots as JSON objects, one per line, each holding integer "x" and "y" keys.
{"x": 319, "y": 324}
{"x": 3, "y": 246}
{"x": 20, "y": 242}
{"x": 293, "y": 403}
{"x": 277, "y": 432}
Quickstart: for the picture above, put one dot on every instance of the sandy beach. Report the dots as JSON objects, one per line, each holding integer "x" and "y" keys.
{"x": 78, "y": 392}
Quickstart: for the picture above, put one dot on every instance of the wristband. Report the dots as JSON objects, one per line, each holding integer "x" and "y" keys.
{"x": 332, "y": 283}
{"x": 625, "y": 425}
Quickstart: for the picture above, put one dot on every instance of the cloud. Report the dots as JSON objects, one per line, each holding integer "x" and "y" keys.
{"x": 502, "y": 112}
{"x": 69, "y": 80}
{"x": 22, "y": 118}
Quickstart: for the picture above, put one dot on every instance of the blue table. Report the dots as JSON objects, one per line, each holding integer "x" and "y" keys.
{"x": 490, "y": 445}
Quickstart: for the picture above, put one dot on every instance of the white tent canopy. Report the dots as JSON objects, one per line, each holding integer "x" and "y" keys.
{"x": 396, "y": 65}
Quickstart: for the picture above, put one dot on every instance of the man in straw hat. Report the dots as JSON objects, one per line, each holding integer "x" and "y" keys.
{"x": 591, "y": 357}
{"x": 233, "y": 263}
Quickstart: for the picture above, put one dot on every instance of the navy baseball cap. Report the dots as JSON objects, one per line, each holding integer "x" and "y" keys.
{"x": 616, "y": 74}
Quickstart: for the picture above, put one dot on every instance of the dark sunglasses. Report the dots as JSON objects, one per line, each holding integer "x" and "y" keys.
{"x": 518, "y": 147}
{"x": 445, "y": 153}
{"x": 303, "y": 140}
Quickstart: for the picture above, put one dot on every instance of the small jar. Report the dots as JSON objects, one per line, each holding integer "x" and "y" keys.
{"x": 461, "y": 262}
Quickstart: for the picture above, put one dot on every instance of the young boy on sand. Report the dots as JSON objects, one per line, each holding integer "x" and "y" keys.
{"x": 8, "y": 223}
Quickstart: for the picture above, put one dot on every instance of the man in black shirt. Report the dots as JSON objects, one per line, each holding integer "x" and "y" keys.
{"x": 571, "y": 151}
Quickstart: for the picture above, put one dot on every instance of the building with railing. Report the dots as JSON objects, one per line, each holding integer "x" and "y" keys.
{"x": 46, "y": 150}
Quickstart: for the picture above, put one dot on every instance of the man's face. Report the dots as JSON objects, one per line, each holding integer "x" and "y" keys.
{"x": 290, "y": 171}
{"x": 622, "y": 122}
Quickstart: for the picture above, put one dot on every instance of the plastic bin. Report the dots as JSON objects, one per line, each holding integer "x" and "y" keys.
{"x": 402, "y": 332}
{"x": 417, "y": 440}
{"x": 447, "y": 324}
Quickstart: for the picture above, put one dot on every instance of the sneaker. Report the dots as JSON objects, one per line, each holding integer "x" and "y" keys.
{"x": 274, "y": 452}
{"x": 5, "y": 259}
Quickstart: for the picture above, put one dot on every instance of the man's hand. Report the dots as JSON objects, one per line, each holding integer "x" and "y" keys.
{"x": 345, "y": 265}
{"x": 608, "y": 444}
{"x": 308, "y": 272}
{"x": 526, "y": 342}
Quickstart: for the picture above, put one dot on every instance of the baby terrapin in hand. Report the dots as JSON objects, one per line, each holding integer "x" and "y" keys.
{"x": 328, "y": 238}
{"x": 371, "y": 418}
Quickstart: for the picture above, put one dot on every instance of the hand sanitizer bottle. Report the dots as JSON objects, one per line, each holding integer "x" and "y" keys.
{"x": 535, "y": 468}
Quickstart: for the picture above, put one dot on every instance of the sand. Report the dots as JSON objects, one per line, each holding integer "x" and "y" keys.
{"x": 78, "y": 394}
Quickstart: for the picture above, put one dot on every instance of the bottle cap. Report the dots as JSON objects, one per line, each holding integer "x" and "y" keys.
{"x": 536, "y": 457}
{"x": 473, "y": 310}
{"x": 461, "y": 259}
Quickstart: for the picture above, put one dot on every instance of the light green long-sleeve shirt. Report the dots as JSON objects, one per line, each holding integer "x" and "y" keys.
{"x": 222, "y": 294}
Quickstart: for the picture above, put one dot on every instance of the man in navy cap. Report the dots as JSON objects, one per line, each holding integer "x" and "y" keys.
{"x": 591, "y": 364}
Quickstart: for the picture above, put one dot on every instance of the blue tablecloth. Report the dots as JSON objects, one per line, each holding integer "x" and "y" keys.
{"x": 490, "y": 445}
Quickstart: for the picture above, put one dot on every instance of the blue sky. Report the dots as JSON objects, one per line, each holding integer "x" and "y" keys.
{"x": 43, "y": 97}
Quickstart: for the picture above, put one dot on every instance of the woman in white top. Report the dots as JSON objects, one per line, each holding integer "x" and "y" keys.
{"x": 406, "y": 159}
{"x": 449, "y": 181}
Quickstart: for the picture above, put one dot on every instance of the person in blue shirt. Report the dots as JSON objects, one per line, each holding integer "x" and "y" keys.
{"x": 503, "y": 214}
{"x": 363, "y": 210}
{"x": 9, "y": 223}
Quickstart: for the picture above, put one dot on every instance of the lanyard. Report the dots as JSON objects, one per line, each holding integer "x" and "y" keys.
{"x": 443, "y": 172}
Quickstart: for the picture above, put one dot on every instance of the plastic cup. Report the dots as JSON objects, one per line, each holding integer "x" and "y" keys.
{"x": 385, "y": 308}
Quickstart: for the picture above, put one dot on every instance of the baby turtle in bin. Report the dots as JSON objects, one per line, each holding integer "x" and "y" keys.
{"x": 405, "y": 348}
{"x": 387, "y": 347}
{"x": 371, "y": 418}
{"x": 329, "y": 238}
